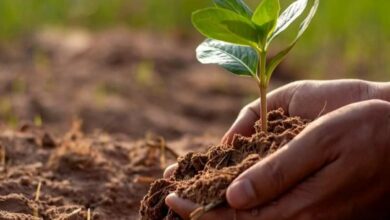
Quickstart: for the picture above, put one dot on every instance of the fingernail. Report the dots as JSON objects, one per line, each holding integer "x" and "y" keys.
{"x": 171, "y": 199}
{"x": 240, "y": 193}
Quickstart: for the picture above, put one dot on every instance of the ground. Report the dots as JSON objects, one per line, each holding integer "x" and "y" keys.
{"x": 91, "y": 118}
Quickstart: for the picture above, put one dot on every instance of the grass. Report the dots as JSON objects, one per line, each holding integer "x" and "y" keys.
{"x": 352, "y": 35}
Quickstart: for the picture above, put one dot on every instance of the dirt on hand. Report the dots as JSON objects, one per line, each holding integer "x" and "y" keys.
{"x": 204, "y": 177}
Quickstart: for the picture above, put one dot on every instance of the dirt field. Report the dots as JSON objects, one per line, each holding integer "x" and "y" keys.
{"x": 111, "y": 104}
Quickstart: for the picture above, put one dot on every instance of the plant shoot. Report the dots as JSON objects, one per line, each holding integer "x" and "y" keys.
{"x": 239, "y": 39}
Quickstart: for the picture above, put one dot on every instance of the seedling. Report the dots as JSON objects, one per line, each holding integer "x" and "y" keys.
{"x": 239, "y": 39}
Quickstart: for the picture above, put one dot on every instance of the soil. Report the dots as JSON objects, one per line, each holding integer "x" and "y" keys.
{"x": 204, "y": 177}
{"x": 125, "y": 94}
{"x": 108, "y": 175}
{"x": 118, "y": 81}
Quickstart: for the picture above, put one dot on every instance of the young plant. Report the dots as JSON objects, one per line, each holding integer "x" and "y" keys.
{"x": 239, "y": 39}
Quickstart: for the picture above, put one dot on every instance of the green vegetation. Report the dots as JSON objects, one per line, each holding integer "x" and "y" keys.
{"x": 240, "y": 39}
{"x": 347, "y": 39}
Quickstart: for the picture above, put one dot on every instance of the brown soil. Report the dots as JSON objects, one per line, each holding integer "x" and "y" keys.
{"x": 122, "y": 85}
{"x": 106, "y": 174}
{"x": 204, "y": 177}
{"x": 119, "y": 81}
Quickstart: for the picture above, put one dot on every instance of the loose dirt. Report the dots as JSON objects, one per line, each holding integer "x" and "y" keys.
{"x": 118, "y": 81}
{"x": 204, "y": 177}
{"x": 123, "y": 85}
{"x": 108, "y": 175}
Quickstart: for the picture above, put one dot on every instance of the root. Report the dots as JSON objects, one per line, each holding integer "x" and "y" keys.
{"x": 144, "y": 180}
{"x": 38, "y": 191}
{"x": 37, "y": 196}
{"x": 199, "y": 212}
{"x": 161, "y": 145}
{"x": 75, "y": 212}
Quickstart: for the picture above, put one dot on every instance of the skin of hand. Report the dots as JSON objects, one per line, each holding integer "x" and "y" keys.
{"x": 337, "y": 168}
{"x": 307, "y": 99}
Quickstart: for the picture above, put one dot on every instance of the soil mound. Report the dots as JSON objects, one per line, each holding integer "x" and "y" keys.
{"x": 204, "y": 177}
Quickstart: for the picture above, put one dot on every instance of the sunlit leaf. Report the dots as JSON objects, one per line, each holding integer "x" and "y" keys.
{"x": 225, "y": 25}
{"x": 305, "y": 24}
{"x": 275, "y": 61}
{"x": 237, "y": 6}
{"x": 288, "y": 17}
{"x": 266, "y": 16}
{"x": 240, "y": 60}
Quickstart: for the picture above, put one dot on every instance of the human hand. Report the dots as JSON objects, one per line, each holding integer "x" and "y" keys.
{"x": 307, "y": 99}
{"x": 337, "y": 168}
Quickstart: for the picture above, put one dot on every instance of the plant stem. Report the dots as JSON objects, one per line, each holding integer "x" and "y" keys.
{"x": 263, "y": 85}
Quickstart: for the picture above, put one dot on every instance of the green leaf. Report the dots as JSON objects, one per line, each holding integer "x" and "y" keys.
{"x": 240, "y": 60}
{"x": 288, "y": 17}
{"x": 225, "y": 25}
{"x": 237, "y": 6}
{"x": 266, "y": 16}
{"x": 276, "y": 60}
{"x": 305, "y": 24}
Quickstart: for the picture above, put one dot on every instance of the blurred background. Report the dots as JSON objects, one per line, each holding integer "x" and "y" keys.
{"x": 128, "y": 66}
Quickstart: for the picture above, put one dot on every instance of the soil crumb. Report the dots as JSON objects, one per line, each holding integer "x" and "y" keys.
{"x": 204, "y": 177}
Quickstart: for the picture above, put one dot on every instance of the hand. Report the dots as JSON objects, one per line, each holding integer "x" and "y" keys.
{"x": 337, "y": 168}
{"x": 307, "y": 99}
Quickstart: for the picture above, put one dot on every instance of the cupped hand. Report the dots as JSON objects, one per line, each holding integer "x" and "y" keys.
{"x": 307, "y": 99}
{"x": 337, "y": 168}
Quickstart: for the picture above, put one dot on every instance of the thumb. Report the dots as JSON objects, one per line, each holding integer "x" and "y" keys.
{"x": 277, "y": 173}
{"x": 244, "y": 124}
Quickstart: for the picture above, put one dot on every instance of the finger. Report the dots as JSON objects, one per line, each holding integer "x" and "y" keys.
{"x": 326, "y": 154}
{"x": 244, "y": 124}
{"x": 282, "y": 170}
{"x": 168, "y": 172}
{"x": 303, "y": 201}
{"x": 180, "y": 206}
{"x": 184, "y": 208}
{"x": 324, "y": 196}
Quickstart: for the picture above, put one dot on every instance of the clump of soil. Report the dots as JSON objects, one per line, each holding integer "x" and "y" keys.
{"x": 204, "y": 177}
